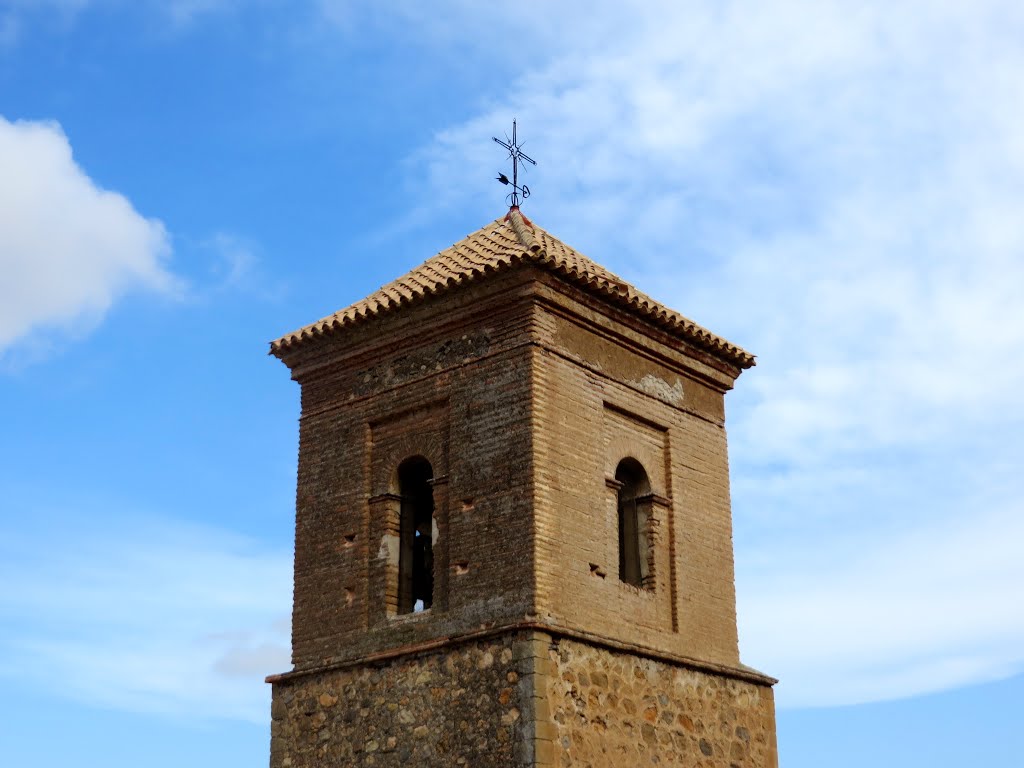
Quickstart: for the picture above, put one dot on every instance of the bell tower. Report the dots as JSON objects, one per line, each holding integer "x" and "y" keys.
{"x": 513, "y": 541}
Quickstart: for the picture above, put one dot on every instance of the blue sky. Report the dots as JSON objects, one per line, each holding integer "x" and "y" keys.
{"x": 835, "y": 186}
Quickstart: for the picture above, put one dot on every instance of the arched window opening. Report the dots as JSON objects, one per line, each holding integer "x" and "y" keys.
{"x": 634, "y": 545}
{"x": 416, "y": 550}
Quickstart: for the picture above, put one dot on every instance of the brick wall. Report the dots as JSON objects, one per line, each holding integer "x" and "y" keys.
{"x": 601, "y": 395}
{"x": 450, "y": 383}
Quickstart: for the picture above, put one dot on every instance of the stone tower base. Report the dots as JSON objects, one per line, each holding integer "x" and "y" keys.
{"x": 611, "y": 709}
{"x": 521, "y": 698}
{"x": 458, "y": 705}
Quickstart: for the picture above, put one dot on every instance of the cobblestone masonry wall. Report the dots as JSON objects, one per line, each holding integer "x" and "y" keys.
{"x": 463, "y": 705}
{"x": 617, "y": 710}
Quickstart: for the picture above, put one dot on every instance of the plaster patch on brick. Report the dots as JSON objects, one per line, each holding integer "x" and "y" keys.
{"x": 661, "y": 389}
{"x": 389, "y": 546}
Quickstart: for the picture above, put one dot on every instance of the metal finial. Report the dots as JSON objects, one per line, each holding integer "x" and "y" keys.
{"x": 516, "y": 153}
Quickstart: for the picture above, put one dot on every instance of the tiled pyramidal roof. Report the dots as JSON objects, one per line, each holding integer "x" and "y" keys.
{"x": 497, "y": 246}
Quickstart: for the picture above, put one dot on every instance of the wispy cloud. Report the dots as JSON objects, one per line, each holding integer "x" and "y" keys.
{"x": 18, "y": 15}
{"x": 839, "y": 189}
{"x": 144, "y": 614}
{"x": 235, "y": 259}
{"x": 887, "y": 616}
{"x": 68, "y": 248}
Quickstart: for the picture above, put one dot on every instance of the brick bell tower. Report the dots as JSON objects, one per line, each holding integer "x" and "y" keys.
{"x": 513, "y": 540}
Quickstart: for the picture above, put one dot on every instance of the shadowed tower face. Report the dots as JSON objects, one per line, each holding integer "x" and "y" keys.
{"x": 513, "y": 541}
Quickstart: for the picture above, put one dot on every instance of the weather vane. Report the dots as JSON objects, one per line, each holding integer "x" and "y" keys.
{"x": 516, "y": 153}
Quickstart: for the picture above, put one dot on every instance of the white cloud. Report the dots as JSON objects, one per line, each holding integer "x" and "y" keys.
{"x": 144, "y": 614}
{"x": 839, "y": 189}
{"x": 917, "y": 613}
{"x": 68, "y": 248}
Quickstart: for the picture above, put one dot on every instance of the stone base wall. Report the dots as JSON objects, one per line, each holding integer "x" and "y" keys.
{"x": 610, "y": 709}
{"x": 524, "y": 699}
{"x": 463, "y": 705}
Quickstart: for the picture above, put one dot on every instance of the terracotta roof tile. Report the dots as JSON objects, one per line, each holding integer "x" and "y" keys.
{"x": 500, "y": 244}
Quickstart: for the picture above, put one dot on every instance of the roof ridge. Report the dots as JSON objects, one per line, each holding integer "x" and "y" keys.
{"x": 523, "y": 228}
{"x": 495, "y": 247}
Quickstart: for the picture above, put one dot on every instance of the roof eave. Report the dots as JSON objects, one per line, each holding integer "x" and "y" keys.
{"x": 530, "y": 248}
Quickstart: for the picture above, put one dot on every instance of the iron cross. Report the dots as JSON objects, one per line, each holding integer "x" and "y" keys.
{"x": 516, "y": 153}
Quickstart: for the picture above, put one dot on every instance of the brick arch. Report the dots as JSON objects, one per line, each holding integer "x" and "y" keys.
{"x": 630, "y": 465}
{"x": 652, "y": 460}
{"x": 425, "y": 445}
{"x": 395, "y": 483}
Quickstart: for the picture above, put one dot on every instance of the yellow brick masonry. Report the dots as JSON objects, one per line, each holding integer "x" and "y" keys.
{"x": 585, "y": 422}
